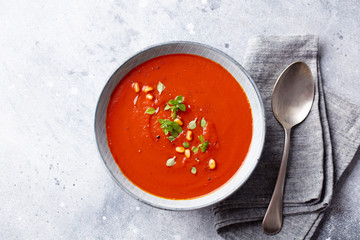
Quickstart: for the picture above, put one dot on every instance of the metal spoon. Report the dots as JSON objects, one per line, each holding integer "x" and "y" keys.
{"x": 292, "y": 99}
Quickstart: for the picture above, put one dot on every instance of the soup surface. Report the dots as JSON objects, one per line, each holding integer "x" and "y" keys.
{"x": 179, "y": 126}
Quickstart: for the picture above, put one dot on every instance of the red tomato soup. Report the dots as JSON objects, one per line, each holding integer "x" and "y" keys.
{"x": 179, "y": 126}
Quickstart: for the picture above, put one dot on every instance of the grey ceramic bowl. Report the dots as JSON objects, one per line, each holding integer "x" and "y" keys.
{"x": 256, "y": 145}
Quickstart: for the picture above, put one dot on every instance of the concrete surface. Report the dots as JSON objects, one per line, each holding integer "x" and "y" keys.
{"x": 57, "y": 55}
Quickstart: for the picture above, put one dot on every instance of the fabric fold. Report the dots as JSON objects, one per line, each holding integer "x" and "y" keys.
{"x": 314, "y": 143}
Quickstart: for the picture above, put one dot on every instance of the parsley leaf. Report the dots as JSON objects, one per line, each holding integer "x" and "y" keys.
{"x": 170, "y": 162}
{"x": 193, "y": 170}
{"x": 192, "y": 124}
{"x": 203, "y": 146}
{"x": 179, "y": 99}
{"x": 176, "y": 127}
{"x": 150, "y": 111}
{"x": 182, "y": 107}
{"x": 201, "y": 138}
{"x": 175, "y": 105}
{"x": 171, "y": 127}
{"x": 173, "y": 102}
{"x": 160, "y": 87}
{"x": 203, "y": 122}
{"x": 186, "y": 144}
{"x": 195, "y": 149}
{"x": 171, "y": 138}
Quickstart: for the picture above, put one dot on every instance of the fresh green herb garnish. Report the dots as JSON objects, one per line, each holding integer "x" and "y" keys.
{"x": 171, "y": 127}
{"x": 203, "y": 122}
{"x": 175, "y": 105}
{"x": 193, "y": 170}
{"x": 160, "y": 87}
{"x": 170, "y": 162}
{"x": 150, "y": 111}
{"x": 203, "y": 146}
{"x": 195, "y": 149}
{"x": 186, "y": 144}
{"x": 192, "y": 124}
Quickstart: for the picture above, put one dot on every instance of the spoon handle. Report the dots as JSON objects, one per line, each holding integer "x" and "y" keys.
{"x": 272, "y": 222}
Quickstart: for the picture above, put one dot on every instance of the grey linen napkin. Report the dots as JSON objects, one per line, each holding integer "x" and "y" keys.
{"x": 321, "y": 148}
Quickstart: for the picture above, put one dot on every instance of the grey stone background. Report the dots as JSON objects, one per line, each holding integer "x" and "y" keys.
{"x": 55, "y": 57}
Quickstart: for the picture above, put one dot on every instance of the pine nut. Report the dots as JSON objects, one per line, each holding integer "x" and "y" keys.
{"x": 178, "y": 121}
{"x": 187, "y": 153}
{"x": 212, "y": 164}
{"x": 189, "y": 135}
{"x": 136, "y": 87}
{"x": 149, "y": 96}
{"x": 180, "y": 149}
{"x": 147, "y": 89}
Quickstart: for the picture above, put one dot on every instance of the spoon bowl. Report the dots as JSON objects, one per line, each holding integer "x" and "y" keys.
{"x": 293, "y": 94}
{"x": 292, "y": 99}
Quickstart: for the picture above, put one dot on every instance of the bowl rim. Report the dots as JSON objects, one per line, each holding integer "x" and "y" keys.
{"x": 262, "y": 140}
